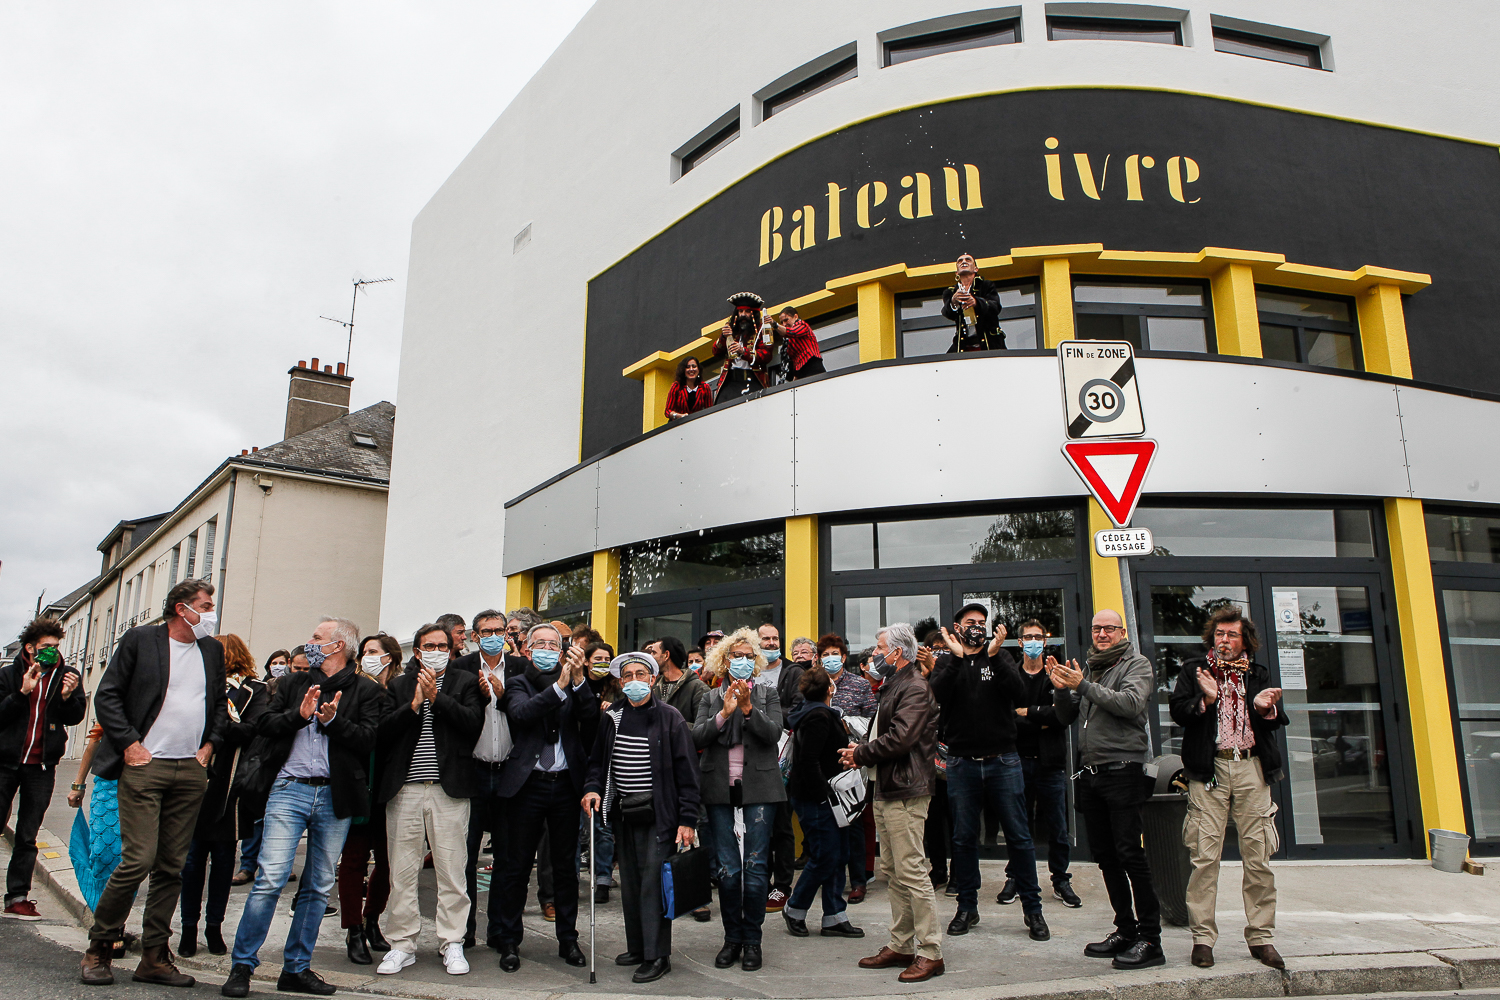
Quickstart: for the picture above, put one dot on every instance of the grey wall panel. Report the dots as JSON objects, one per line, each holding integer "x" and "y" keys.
{"x": 729, "y": 468}
{"x": 1453, "y": 444}
{"x": 552, "y": 524}
{"x": 946, "y": 432}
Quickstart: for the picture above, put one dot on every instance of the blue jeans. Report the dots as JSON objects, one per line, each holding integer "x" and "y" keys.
{"x": 1047, "y": 809}
{"x": 292, "y": 809}
{"x": 1000, "y": 781}
{"x": 604, "y": 846}
{"x": 824, "y": 840}
{"x": 743, "y": 885}
{"x": 250, "y": 849}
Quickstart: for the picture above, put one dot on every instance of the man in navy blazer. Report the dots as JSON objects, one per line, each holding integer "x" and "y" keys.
{"x": 162, "y": 706}
{"x": 553, "y": 715}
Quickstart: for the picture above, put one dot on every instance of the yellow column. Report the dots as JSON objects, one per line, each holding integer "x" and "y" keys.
{"x": 1426, "y": 674}
{"x": 607, "y": 599}
{"x": 877, "y": 322}
{"x": 1382, "y": 331}
{"x": 520, "y": 590}
{"x": 801, "y": 577}
{"x": 654, "y": 388}
{"x": 1056, "y": 291}
{"x": 1103, "y": 570}
{"x": 1236, "y": 319}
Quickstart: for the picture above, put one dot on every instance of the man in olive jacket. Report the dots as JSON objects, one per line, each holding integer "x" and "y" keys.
{"x": 902, "y": 743}
{"x": 1229, "y": 714}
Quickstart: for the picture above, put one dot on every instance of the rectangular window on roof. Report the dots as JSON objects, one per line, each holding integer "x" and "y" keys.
{"x": 924, "y": 329}
{"x": 974, "y": 36}
{"x": 1151, "y": 316}
{"x": 1243, "y": 43}
{"x": 838, "y": 338}
{"x": 1308, "y": 329}
{"x": 708, "y": 142}
{"x": 840, "y": 72}
{"x": 1113, "y": 29}
{"x": 176, "y": 556}
{"x": 192, "y": 554}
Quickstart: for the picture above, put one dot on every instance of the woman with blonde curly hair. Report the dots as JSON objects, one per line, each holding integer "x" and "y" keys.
{"x": 738, "y": 738}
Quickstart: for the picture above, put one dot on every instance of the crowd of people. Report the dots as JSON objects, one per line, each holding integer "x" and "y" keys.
{"x": 508, "y": 738}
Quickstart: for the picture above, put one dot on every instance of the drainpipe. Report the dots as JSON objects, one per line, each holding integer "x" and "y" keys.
{"x": 234, "y": 475}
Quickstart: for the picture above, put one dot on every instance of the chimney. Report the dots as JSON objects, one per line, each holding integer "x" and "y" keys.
{"x": 315, "y": 397}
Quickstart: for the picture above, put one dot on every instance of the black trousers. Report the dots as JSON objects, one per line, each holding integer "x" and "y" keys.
{"x": 488, "y": 813}
{"x": 813, "y": 367}
{"x": 648, "y": 932}
{"x": 546, "y": 800}
{"x": 783, "y": 849}
{"x": 34, "y": 783}
{"x": 1110, "y": 803}
{"x": 223, "y": 854}
{"x": 937, "y": 835}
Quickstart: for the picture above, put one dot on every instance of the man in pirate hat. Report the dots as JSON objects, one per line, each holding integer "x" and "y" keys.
{"x": 745, "y": 345}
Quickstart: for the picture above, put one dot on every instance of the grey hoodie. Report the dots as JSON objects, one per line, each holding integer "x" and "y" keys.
{"x": 1114, "y": 705}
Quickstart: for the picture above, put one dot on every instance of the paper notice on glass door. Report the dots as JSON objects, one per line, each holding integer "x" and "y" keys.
{"x": 1293, "y": 669}
{"x": 1287, "y": 611}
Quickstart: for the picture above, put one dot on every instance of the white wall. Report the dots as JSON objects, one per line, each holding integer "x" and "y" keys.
{"x": 491, "y": 364}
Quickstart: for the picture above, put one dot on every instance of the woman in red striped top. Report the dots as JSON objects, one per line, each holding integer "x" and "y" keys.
{"x": 688, "y": 394}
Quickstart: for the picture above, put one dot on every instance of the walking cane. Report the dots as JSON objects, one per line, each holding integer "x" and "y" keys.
{"x": 593, "y": 898}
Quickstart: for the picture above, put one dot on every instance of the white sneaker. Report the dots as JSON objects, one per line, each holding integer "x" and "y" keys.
{"x": 453, "y": 959}
{"x": 395, "y": 961}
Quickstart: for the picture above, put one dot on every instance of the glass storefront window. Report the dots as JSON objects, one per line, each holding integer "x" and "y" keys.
{"x": 1338, "y": 762}
{"x": 649, "y": 628}
{"x": 1012, "y": 607}
{"x": 753, "y": 616}
{"x": 565, "y": 588}
{"x": 1473, "y": 618}
{"x": 953, "y": 541}
{"x": 1178, "y": 614}
{"x": 1185, "y": 531}
{"x": 1461, "y": 538}
{"x": 703, "y": 561}
{"x": 864, "y": 617}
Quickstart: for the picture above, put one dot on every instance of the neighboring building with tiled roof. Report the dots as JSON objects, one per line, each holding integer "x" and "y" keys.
{"x": 285, "y": 533}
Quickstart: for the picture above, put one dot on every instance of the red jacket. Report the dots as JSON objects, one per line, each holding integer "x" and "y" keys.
{"x": 801, "y": 344}
{"x": 681, "y": 399}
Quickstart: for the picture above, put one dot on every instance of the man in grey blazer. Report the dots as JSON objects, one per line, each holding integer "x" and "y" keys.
{"x": 738, "y": 734}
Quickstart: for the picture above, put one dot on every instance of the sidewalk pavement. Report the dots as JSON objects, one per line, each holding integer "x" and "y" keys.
{"x": 1342, "y": 927}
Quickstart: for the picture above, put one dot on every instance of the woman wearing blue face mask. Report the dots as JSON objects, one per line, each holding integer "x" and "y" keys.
{"x": 853, "y": 697}
{"x": 738, "y": 735}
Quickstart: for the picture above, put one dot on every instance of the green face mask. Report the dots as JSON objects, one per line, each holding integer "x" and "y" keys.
{"x": 47, "y": 656}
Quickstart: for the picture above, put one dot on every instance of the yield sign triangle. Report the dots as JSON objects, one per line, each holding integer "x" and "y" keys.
{"x": 1114, "y": 472}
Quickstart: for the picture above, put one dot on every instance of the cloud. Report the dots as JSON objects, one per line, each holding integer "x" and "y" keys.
{"x": 188, "y": 187}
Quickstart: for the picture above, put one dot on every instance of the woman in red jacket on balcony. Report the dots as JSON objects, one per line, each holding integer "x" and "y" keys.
{"x": 688, "y": 393}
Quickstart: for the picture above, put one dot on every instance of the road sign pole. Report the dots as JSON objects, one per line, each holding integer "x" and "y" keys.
{"x": 1127, "y": 597}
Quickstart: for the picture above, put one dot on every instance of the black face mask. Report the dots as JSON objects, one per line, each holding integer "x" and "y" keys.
{"x": 974, "y": 635}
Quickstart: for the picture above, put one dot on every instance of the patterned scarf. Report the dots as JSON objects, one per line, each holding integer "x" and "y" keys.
{"x": 1234, "y": 714}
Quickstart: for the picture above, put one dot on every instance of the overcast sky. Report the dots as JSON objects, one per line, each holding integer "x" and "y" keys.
{"x": 185, "y": 188}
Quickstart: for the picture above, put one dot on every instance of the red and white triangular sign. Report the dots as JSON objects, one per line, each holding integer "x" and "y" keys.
{"x": 1114, "y": 472}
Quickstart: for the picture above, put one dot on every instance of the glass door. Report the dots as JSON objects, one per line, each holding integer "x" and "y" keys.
{"x": 1471, "y": 624}
{"x": 859, "y": 613}
{"x": 688, "y": 620}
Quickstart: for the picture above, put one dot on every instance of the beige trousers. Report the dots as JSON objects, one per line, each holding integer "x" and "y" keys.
{"x": 422, "y": 814}
{"x": 1239, "y": 790}
{"x": 900, "y": 825}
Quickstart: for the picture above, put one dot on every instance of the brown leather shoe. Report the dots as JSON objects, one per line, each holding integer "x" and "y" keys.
{"x": 94, "y": 970}
{"x": 157, "y": 967}
{"x": 921, "y": 970}
{"x": 1203, "y": 956}
{"x": 1268, "y": 955}
{"x": 886, "y": 959}
{"x": 549, "y": 913}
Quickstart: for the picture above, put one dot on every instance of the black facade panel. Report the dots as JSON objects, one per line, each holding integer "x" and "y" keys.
{"x": 1321, "y": 191}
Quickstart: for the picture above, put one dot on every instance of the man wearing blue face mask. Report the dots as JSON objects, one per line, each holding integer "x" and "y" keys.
{"x": 1041, "y": 740}
{"x": 553, "y": 715}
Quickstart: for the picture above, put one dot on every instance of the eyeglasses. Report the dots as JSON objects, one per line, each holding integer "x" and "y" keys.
{"x": 1224, "y": 633}
{"x": 1106, "y": 629}
{"x": 547, "y": 644}
{"x": 486, "y": 633}
{"x": 433, "y": 647}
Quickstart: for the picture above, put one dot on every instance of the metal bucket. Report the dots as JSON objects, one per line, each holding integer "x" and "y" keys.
{"x": 1449, "y": 850}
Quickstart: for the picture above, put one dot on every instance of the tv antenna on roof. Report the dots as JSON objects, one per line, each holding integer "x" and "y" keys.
{"x": 359, "y": 283}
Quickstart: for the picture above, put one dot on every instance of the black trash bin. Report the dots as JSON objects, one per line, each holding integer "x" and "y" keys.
{"x": 1162, "y": 818}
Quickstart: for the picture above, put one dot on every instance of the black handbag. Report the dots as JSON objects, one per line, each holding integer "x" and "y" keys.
{"x": 638, "y": 807}
{"x": 685, "y": 883}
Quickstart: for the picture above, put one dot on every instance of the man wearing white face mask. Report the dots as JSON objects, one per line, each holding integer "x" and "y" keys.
{"x": 426, "y": 785}
{"x": 162, "y": 706}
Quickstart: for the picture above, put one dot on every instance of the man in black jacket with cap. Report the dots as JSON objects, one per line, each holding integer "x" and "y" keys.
{"x": 1229, "y": 714}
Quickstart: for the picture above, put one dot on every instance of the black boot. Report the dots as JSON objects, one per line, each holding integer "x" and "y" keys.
{"x": 359, "y": 951}
{"x": 188, "y": 946}
{"x": 214, "y": 939}
{"x": 374, "y": 938}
